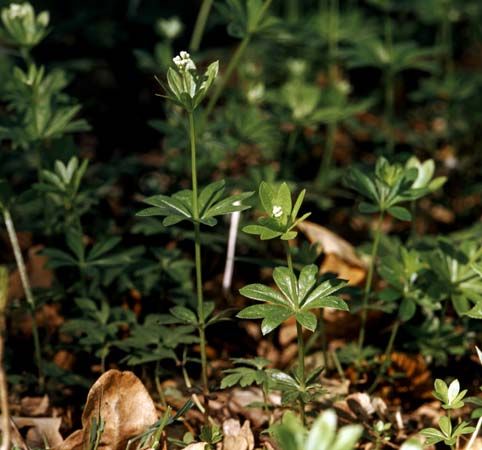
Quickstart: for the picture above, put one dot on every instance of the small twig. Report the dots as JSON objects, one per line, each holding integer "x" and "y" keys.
{"x": 229, "y": 267}
{"x": 474, "y": 434}
{"x": 5, "y": 420}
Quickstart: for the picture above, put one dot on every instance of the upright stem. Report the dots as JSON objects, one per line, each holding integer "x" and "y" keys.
{"x": 218, "y": 90}
{"x": 389, "y": 86}
{"x": 12, "y": 235}
{"x": 328, "y": 153}
{"x": 301, "y": 364}
{"x": 290, "y": 146}
{"x": 233, "y": 63}
{"x": 200, "y": 25}
{"x": 5, "y": 420}
{"x": 368, "y": 283}
{"x": 386, "y": 360}
{"x": 332, "y": 75}
{"x": 299, "y": 332}
{"x": 197, "y": 256}
{"x": 292, "y": 11}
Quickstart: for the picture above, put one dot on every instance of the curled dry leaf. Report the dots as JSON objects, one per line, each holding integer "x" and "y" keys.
{"x": 340, "y": 255}
{"x": 123, "y": 403}
{"x": 237, "y": 437}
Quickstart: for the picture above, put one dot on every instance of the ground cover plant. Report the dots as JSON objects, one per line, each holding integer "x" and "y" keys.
{"x": 251, "y": 224}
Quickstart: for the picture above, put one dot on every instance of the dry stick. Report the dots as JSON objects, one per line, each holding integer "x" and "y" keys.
{"x": 474, "y": 434}
{"x": 5, "y": 420}
{"x": 12, "y": 235}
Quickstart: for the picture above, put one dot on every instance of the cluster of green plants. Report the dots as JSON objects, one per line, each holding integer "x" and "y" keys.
{"x": 256, "y": 135}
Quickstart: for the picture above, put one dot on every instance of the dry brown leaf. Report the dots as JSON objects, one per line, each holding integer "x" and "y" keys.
{"x": 240, "y": 400}
{"x": 196, "y": 446}
{"x": 34, "y": 406}
{"x": 125, "y": 406}
{"x": 237, "y": 437}
{"x": 340, "y": 255}
{"x": 41, "y": 429}
{"x": 335, "y": 264}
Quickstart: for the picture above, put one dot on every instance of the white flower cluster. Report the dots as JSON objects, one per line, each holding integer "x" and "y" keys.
{"x": 184, "y": 62}
{"x": 277, "y": 211}
{"x": 17, "y": 11}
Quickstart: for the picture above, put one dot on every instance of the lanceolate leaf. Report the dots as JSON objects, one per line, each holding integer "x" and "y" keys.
{"x": 263, "y": 293}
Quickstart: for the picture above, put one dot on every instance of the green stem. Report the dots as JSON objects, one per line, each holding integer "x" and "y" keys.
{"x": 327, "y": 154}
{"x": 292, "y": 11}
{"x": 332, "y": 75}
{"x": 160, "y": 391}
{"x": 301, "y": 364}
{"x": 290, "y": 146}
{"x": 233, "y": 63}
{"x": 299, "y": 332}
{"x": 200, "y": 25}
{"x": 386, "y": 360}
{"x": 28, "y": 293}
{"x": 197, "y": 256}
{"x": 368, "y": 283}
{"x": 389, "y": 86}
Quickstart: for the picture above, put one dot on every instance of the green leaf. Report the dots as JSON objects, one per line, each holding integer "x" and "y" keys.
{"x": 322, "y": 432}
{"x": 368, "y": 208}
{"x": 266, "y": 195}
{"x": 307, "y": 319}
{"x": 263, "y": 293}
{"x": 184, "y": 314}
{"x": 228, "y": 205}
{"x": 400, "y": 213}
{"x": 307, "y": 280}
{"x": 325, "y": 289}
{"x": 210, "y": 195}
{"x": 285, "y": 281}
{"x": 298, "y": 203}
{"x": 407, "y": 309}
{"x": 74, "y": 242}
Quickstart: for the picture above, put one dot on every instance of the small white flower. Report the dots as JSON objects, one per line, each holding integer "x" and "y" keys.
{"x": 184, "y": 62}
{"x": 277, "y": 211}
{"x": 18, "y": 11}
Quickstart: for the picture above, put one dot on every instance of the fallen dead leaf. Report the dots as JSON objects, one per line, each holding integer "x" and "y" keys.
{"x": 41, "y": 429}
{"x": 237, "y": 437}
{"x": 124, "y": 404}
{"x": 340, "y": 255}
{"x": 34, "y": 406}
{"x": 196, "y": 446}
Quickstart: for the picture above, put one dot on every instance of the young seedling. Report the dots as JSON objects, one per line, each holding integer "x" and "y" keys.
{"x": 247, "y": 373}
{"x": 296, "y": 296}
{"x": 187, "y": 88}
{"x": 62, "y": 186}
{"x": 385, "y": 189}
{"x": 451, "y": 398}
